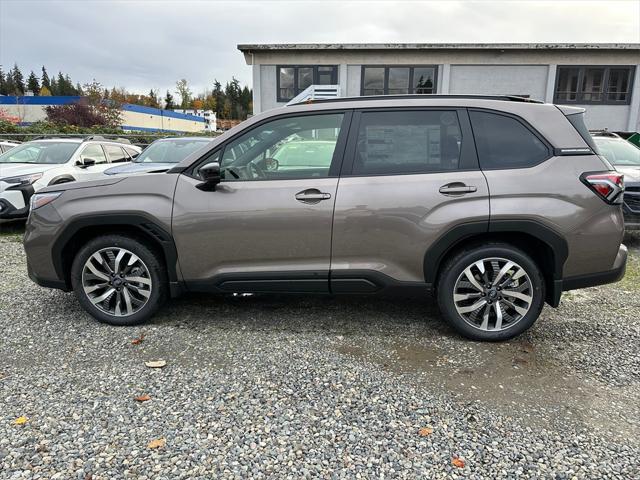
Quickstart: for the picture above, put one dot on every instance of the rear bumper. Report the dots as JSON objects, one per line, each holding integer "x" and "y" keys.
{"x": 599, "y": 278}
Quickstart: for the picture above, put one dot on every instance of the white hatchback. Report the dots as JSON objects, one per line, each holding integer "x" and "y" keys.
{"x": 30, "y": 166}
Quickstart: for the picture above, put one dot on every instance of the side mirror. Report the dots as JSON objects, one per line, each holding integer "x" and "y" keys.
{"x": 87, "y": 162}
{"x": 210, "y": 175}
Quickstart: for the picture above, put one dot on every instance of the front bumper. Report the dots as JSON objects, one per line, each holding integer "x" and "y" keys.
{"x": 631, "y": 206}
{"x": 14, "y": 202}
{"x": 47, "y": 282}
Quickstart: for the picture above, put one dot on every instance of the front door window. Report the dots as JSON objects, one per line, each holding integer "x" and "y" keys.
{"x": 287, "y": 148}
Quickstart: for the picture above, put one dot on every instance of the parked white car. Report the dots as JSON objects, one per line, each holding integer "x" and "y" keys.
{"x": 30, "y": 166}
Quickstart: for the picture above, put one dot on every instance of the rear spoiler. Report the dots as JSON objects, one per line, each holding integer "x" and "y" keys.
{"x": 570, "y": 110}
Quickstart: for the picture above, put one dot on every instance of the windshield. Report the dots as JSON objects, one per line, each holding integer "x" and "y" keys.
{"x": 618, "y": 151}
{"x": 40, "y": 152}
{"x": 169, "y": 151}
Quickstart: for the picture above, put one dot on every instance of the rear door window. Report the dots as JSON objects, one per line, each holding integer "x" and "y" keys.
{"x": 410, "y": 141}
{"x": 505, "y": 142}
{"x": 116, "y": 154}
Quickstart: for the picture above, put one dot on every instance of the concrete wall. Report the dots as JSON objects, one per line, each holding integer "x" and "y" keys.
{"x": 611, "y": 117}
{"x": 528, "y": 72}
{"x": 500, "y": 79}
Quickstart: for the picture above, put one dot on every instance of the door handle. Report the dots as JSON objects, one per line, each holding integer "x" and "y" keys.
{"x": 312, "y": 195}
{"x": 456, "y": 188}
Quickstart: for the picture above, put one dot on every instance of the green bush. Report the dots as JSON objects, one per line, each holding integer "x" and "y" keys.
{"x": 10, "y": 131}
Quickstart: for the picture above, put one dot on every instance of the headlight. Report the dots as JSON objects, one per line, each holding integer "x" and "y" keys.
{"x": 41, "y": 199}
{"x": 24, "y": 179}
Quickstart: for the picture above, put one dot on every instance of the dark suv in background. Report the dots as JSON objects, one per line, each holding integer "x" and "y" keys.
{"x": 497, "y": 204}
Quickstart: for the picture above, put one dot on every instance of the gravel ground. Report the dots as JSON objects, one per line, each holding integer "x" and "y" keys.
{"x": 295, "y": 387}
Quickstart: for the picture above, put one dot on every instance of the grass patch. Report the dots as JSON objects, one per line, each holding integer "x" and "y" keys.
{"x": 631, "y": 278}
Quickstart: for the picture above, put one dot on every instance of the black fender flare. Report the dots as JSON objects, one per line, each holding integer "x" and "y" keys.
{"x": 64, "y": 178}
{"x": 453, "y": 237}
{"x": 139, "y": 221}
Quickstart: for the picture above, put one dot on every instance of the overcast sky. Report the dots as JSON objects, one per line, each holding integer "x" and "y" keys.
{"x": 143, "y": 44}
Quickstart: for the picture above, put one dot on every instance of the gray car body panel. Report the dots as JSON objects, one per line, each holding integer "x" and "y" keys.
{"x": 385, "y": 225}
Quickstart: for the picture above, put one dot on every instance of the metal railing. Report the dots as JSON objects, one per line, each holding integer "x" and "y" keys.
{"x": 313, "y": 92}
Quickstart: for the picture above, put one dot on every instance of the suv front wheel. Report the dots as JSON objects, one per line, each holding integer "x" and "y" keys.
{"x": 118, "y": 280}
{"x": 492, "y": 292}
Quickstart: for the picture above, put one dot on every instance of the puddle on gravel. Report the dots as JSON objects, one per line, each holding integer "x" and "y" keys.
{"x": 515, "y": 378}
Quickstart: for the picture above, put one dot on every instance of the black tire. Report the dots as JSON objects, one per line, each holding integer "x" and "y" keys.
{"x": 152, "y": 261}
{"x": 453, "y": 268}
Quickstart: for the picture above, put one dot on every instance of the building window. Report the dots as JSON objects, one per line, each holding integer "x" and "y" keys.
{"x": 295, "y": 79}
{"x": 398, "y": 80}
{"x": 594, "y": 84}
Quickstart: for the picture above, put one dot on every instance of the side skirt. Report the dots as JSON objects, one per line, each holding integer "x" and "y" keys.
{"x": 313, "y": 282}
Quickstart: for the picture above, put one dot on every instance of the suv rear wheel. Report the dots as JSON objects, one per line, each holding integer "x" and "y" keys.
{"x": 491, "y": 292}
{"x": 118, "y": 280}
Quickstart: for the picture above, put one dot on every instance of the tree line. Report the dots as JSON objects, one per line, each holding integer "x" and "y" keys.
{"x": 232, "y": 102}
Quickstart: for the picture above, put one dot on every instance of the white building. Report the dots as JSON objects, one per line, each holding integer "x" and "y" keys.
{"x": 603, "y": 78}
{"x": 209, "y": 117}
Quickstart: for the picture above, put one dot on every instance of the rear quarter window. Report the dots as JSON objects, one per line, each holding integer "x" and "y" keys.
{"x": 505, "y": 142}
{"x": 577, "y": 120}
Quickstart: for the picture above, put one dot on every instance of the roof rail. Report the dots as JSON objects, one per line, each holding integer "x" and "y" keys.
{"x": 506, "y": 98}
{"x": 104, "y": 139}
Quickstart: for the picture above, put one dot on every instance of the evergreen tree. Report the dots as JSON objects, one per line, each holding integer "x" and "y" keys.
{"x": 33, "y": 85}
{"x": 153, "y": 99}
{"x": 3, "y": 83}
{"x": 53, "y": 87}
{"x": 9, "y": 84}
{"x": 18, "y": 80}
{"x": 62, "y": 88}
{"x": 168, "y": 101}
{"x": 218, "y": 94}
{"x": 70, "y": 88}
{"x": 46, "y": 83}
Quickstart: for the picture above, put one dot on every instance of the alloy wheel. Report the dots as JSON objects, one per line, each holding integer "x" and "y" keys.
{"x": 493, "y": 294}
{"x": 116, "y": 281}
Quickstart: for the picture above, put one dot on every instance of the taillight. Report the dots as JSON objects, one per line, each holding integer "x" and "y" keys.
{"x": 607, "y": 185}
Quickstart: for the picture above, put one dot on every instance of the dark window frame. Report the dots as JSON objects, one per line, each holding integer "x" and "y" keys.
{"x": 468, "y": 161}
{"x": 605, "y": 85}
{"x": 296, "y": 90}
{"x": 385, "y": 81}
{"x": 551, "y": 151}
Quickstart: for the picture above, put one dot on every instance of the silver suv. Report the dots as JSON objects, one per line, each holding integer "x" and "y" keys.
{"x": 496, "y": 204}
